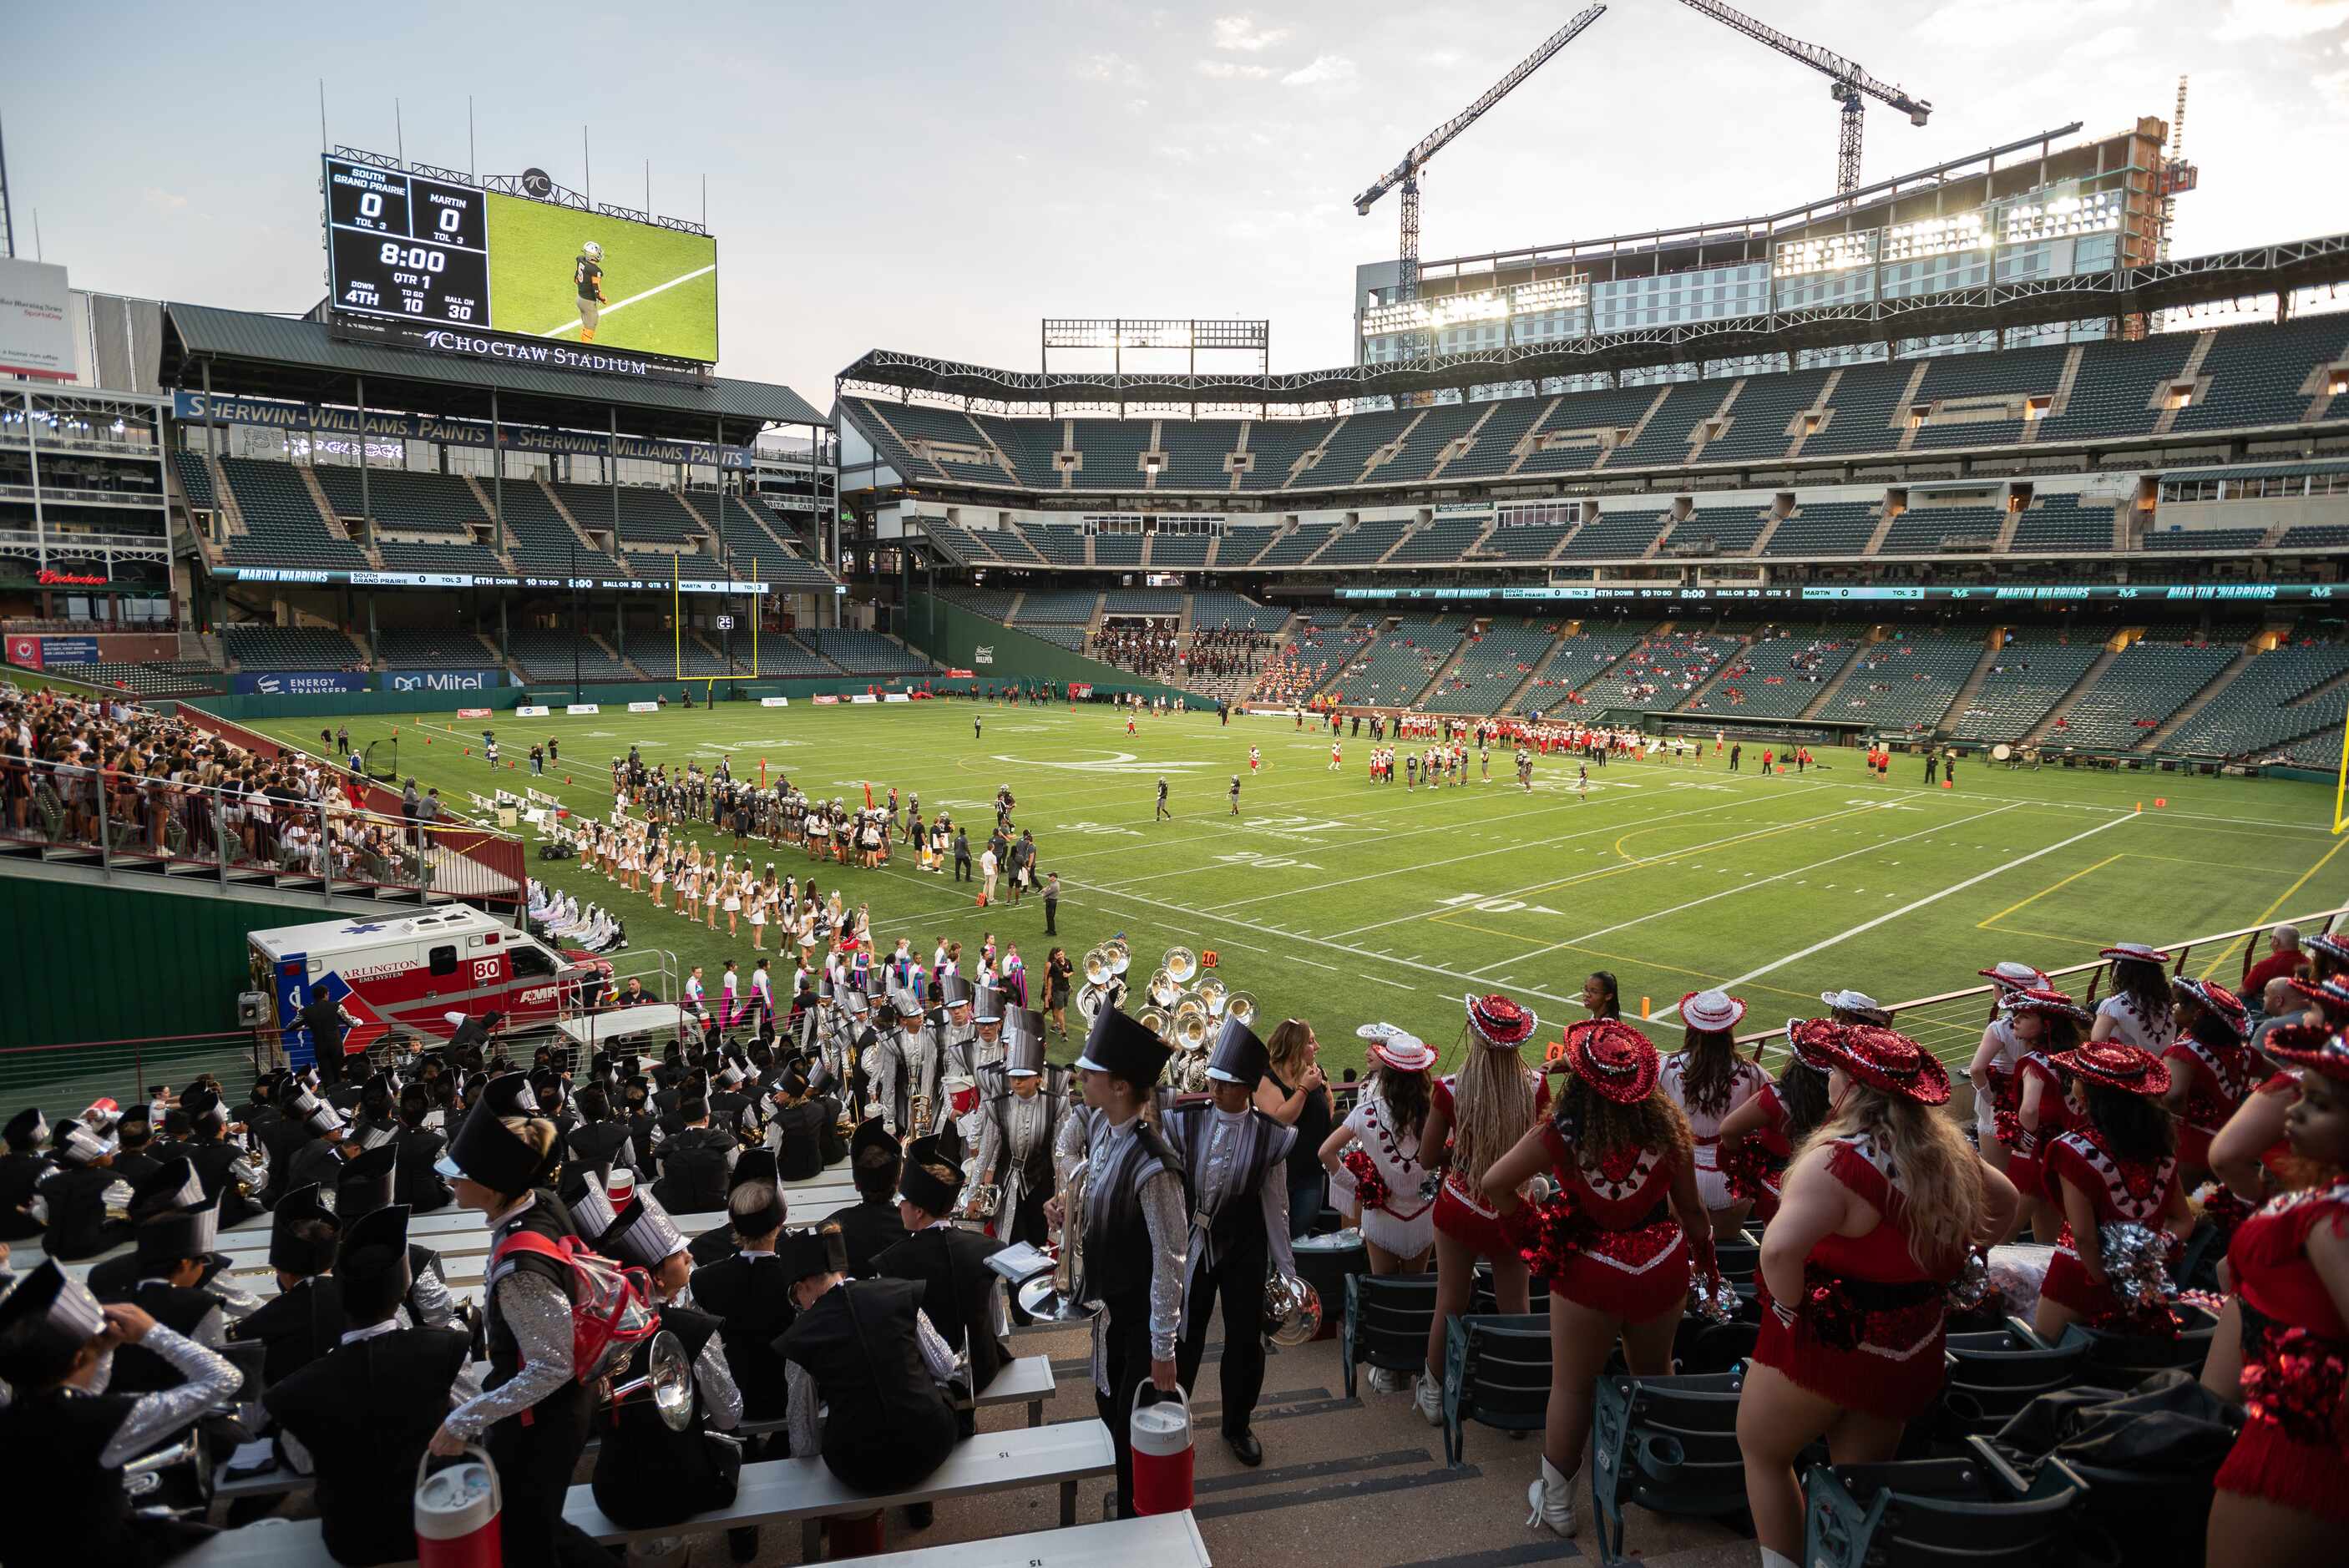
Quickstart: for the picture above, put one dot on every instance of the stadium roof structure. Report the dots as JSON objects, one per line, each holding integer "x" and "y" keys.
{"x": 2028, "y": 301}
{"x": 284, "y": 356}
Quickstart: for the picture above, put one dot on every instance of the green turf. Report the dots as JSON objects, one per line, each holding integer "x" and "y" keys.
{"x": 533, "y": 246}
{"x": 1343, "y": 903}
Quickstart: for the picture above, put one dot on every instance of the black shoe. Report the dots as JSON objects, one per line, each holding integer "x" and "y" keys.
{"x": 742, "y": 1544}
{"x": 1246, "y": 1448}
{"x": 917, "y": 1515}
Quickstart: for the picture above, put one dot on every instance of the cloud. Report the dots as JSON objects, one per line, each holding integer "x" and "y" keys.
{"x": 1325, "y": 69}
{"x": 1994, "y": 24}
{"x": 1110, "y": 68}
{"x": 2333, "y": 89}
{"x": 163, "y": 200}
{"x": 2281, "y": 18}
{"x": 1232, "y": 70}
{"x": 1243, "y": 34}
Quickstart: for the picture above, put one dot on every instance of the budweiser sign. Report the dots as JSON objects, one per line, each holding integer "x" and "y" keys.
{"x": 49, "y": 579}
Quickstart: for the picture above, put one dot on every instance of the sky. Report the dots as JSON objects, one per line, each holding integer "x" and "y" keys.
{"x": 935, "y": 177}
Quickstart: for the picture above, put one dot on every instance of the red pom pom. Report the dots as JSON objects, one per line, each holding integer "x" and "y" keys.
{"x": 2297, "y": 1384}
{"x": 1370, "y": 1190}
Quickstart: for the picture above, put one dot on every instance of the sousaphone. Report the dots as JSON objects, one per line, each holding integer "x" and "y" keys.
{"x": 1181, "y": 965}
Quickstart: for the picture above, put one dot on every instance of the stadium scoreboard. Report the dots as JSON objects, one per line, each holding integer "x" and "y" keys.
{"x": 404, "y": 246}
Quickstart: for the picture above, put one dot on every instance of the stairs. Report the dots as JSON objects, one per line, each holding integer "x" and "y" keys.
{"x": 1534, "y": 669}
{"x": 1465, "y": 444}
{"x": 2088, "y": 678}
{"x": 1689, "y": 703}
{"x": 1822, "y": 405}
{"x": 1698, "y": 436}
{"x": 1392, "y": 449}
{"x": 2196, "y": 703}
{"x": 1663, "y": 394}
{"x": 1309, "y": 460}
{"x": 1991, "y": 644}
{"x": 1443, "y": 670}
{"x": 2006, "y": 530}
{"x": 1908, "y": 401}
{"x": 1526, "y": 441}
{"x": 2190, "y": 371}
{"x": 1827, "y": 687}
{"x": 586, "y": 540}
{"x": 1762, "y": 539}
{"x": 2061, "y": 398}
{"x": 610, "y": 652}
{"x": 1883, "y": 526}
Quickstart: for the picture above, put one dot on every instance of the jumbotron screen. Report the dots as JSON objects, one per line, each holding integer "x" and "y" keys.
{"x": 443, "y": 254}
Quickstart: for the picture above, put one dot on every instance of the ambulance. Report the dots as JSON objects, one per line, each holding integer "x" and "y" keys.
{"x": 418, "y": 976}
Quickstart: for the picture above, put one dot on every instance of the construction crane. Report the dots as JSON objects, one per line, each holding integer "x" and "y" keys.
{"x": 1406, "y": 173}
{"x": 2177, "y": 174}
{"x": 1847, "y": 83}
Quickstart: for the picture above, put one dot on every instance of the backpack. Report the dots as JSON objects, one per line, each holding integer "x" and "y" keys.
{"x": 612, "y": 1307}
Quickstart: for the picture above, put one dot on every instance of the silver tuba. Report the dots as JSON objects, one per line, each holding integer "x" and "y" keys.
{"x": 664, "y": 1379}
{"x": 1292, "y": 1310}
{"x": 1052, "y": 1297}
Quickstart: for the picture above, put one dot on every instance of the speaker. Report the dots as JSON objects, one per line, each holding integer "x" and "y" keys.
{"x": 253, "y": 1008}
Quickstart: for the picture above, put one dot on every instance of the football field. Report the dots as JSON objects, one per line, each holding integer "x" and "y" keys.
{"x": 661, "y": 285}
{"x": 1343, "y": 902}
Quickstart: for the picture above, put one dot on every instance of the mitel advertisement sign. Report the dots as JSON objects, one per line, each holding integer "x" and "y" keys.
{"x": 442, "y": 680}
{"x": 301, "y": 682}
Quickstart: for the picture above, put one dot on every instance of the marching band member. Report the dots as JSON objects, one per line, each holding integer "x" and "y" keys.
{"x": 85, "y": 1200}
{"x": 903, "y": 1066}
{"x": 419, "y": 1185}
{"x": 1881, "y": 1209}
{"x": 1707, "y": 1079}
{"x": 1618, "y": 1252}
{"x": 303, "y": 1319}
{"x": 67, "y": 1432}
{"x": 2278, "y": 1495}
{"x": 2117, "y": 1163}
{"x": 172, "y": 1264}
{"x": 23, "y": 1214}
{"x": 1131, "y": 1262}
{"x": 750, "y": 1293}
{"x": 961, "y": 1297}
{"x": 1018, "y": 1129}
{"x": 695, "y": 1163}
{"x": 1473, "y": 1120}
{"x": 871, "y": 1226}
{"x": 1234, "y": 1167}
{"x": 1392, "y": 1188}
{"x": 532, "y": 1413}
{"x": 404, "y": 1380}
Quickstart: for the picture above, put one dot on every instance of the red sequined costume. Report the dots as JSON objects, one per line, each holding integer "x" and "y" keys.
{"x": 2119, "y": 1190}
{"x": 2024, "y": 1164}
{"x": 1461, "y": 1211}
{"x": 1868, "y": 1332}
{"x": 1755, "y": 1166}
{"x": 1626, "y": 1254}
{"x": 2294, "y": 1448}
{"x": 2218, "y": 1081}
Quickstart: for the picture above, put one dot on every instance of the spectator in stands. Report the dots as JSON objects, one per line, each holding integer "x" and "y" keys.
{"x": 2283, "y": 961}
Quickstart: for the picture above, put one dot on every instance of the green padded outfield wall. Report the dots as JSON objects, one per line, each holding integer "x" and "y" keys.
{"x": 115, "y": 960}
{"x": 961, "y": 639}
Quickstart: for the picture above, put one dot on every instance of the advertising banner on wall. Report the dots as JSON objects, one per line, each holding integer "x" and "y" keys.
{"x": 35, "y": 329}
{"x": 442, "y": 680}
{"x": 301, "y": 682}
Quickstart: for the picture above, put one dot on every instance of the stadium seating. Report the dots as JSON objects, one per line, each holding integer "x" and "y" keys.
{"x": 543, "y": 544}
{"x": 1060, "y": 606}
{"x": 547, "y": 655}
{"x": 1273, "y": 445}
{"x": 1717, "y": 530}
{"x": 1364, "y": 543}
{"x": 1113, "y": 451}
{"x": 195, "y": 478}
{"x": 282, "y": 524}
{"x": 1444, "y": 424}
{"x": 2315, "y": 536}
{"x": 2027, "y": 676}
{"x": 1495, "y": 664}
{"x": 1349, "y": 446}
{"x": 787, "y": 656}
{"x": 1395, "y": 665}
{"x": 1303, "y": 541}
{"x": 449, "y": 556}
{"x": 947, "y": 437}
{"x": 2257, "y": 375}
{"x": 1010, "y": 544}
{"x": 259, "y": 648}
{"x": 1053, "y": 542}
{"x": 878, "y": 421}
{"x": 1777, "y": 674}
{"x": 1523, "y": 542}
{"x": 1315, "y": 652}
{"x": 1577, "y": 662}
{"x": 1824, "y": 528}
{"x": 963, "y": 546}
{"x": 2149, "y": 681}
{"x": 1621, "y": 532}
{"x": 1070, "y": 637}
{"x": 2016, "y": 373}
{"x": 1920, "y": 530}
{"x": 646, "y": 515}
{"x": 2222, "y": 540}
{"x": 1866, "y": 410}
{"x": 2060, "y": 523}
{"x": 2117, "y": 391}
{"x": 1577, "y": 419}
{"x": 1180, "y": 549}
{"x": 994, "y": 603}
{"x": 1765, "y": 406}
{"x": 432, "y": 650}
{"x": 1241, "y": 546}
{"x": 176, "y": 678}
{"x": 1117, "y": 549}
{"x": 864, "y": 653}
{"x": 404, "y": 502}
{"x": 1905, "y": 683}
{"x": 1661, "y": 672}
{"x": 1029, "y": 444}
{"x": 1142, "y": 602}
{"x": 2271, "y": 701}
{"x": 1665, "y": 438}
{"x": 1447, "y": 538}
{"x": 1210, "y": 610}
{"x": 1494, "y": 447}
{"x": 1195, "y": 451}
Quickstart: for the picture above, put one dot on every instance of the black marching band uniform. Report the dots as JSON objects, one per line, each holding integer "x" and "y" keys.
{"x": 1235, "y": 1166}
{"x": 962, "y": 1297}
{"x": 867, "y": 1371}
{"x": 1021, "y": 1121}
{"x": 871, "y": 1226}
{"x": 744, "y": 1283}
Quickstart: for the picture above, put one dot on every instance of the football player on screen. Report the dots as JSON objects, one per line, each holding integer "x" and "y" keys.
{"x": 588, "y": 273}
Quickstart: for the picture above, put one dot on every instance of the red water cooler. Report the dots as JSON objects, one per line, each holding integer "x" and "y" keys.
{"x": 457, "y": 1513}
{"x": 1163, "y": 1454}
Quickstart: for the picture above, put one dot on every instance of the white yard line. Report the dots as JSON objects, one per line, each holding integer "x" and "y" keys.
{"x": 573, "y": 325}
{"x": 1396, "y": 983}
{"x": 1911, "y": 908}
{"x": 1741, "y": 887}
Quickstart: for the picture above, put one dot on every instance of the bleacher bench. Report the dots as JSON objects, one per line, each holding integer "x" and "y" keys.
{"x": 770, "y": 1492}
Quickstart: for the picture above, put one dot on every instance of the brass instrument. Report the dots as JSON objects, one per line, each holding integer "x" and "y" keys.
{"x": 117, "y": 1199}
{"x": 1190, "y": 1028}
{"x": 1052, "y": 1298}
{"x": 156, "y": 1480}
{"x": 1096, "y": 966}
{"x": 1162, "y": 988}
{"x": 1089, "y": 998}
{"x": 1239, "y": 1004}
{"x": 1189, "y": 1005}
{"x": 1182, "y": 964}
{"x": 664, "y": 1379}
{"x": 1292, "y": 1310}
{"x": 917, "y": 1117}
{"x": 1153, "y": 1020}
{"x": 1120, "y": 959}
{"x": 984, "y": 1198}
{"x": 1211, "y": 993}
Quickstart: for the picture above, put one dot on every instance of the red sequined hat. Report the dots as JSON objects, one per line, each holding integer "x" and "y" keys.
{"x": 2137, "y": 949}
{"x": 2332, "y": 995}
{"x": 2311, "y": 1046}
{"x": 1500, "y": 1022}
{"x": 1712, "y": 1010}
{"x": 1612, "y": 1058}
{"x": 2334, "y": 947}
{"x": 2224, "y": 1003}
{"x": 2117, "y": 1065}
{"x": 1806, "y": 1050}
{"x": 2047, "y": 1001}
{"x": 1879, "y": 1057}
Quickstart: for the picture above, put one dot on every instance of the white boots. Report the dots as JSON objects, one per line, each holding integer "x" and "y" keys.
{"x": 1428, "y": 1395}
{"x": 1552, "y": 1500}
{"x": 1777, "y": 1560}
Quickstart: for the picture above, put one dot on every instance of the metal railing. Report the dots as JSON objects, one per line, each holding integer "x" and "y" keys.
{"x": 1950, "y": 1023}
{"x": 63, "y": 1078}
{"x": 133, "y": 823}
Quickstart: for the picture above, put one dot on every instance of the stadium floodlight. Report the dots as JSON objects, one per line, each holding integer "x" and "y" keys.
{"x": 1825, "y": 254}
{"x": 1548, "y": 295}
{"x": 2060, "y": 217}
{"x": 1935, "y": 237}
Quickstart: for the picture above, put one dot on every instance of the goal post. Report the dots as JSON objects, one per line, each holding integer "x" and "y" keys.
{"x": 2340, "y": 782}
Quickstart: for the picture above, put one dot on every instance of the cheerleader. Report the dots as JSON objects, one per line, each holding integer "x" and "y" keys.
{"x": 1473, "y": 1119}
{"x": 1617, "y": 1248}
{"x": 1993, "y": 1070}
{"x": 713, "y": 888}
{"x": 1374, "y": 1154}
{"x": 1761, "y": 1136}
{"x": 1882, "y": 1208}
{"x": 2210, "y": 1069}
{"x": 2047, "y": 1023}
{"x": 1707, "y": 1079}
{"x": 755, "y": 896}
{"x": 2138, "y": 1013}
{"x": 2117, "y": 1164}
{"x": 661, "y": 879}
{"x": 731, "y": 884}
{"x": 2279, "y": 1494}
